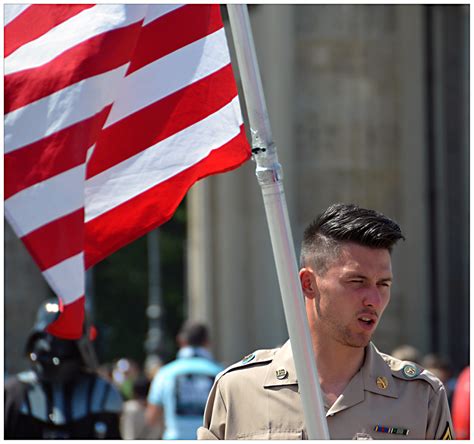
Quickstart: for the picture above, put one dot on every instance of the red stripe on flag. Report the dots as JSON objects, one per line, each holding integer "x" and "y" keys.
{"x": 94, "y": 56}
{"x": 69, "y": 323}
{"x": 36, "y": 21}
{"x": 56, "y": 241}
{"x": 52, "y": 155}
{"x": 162, "y": 119}
{"x": 132, "y": 219}
{"x": 159, "y": 37}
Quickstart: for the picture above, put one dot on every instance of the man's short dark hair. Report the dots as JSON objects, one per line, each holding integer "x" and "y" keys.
{"x": 342, "y": 223}
{"x": 194, "y": 334}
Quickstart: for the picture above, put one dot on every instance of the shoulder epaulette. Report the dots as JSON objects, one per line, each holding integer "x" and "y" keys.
{"x": 410, "y": 371}
{"x": 257, "y": 357}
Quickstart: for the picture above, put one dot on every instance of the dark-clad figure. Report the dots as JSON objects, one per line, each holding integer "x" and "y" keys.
{"x": 346, "y": 277}
{"x": 60, "y": 397}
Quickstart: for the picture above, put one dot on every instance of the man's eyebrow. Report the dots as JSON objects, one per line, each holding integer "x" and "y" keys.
{"x": 357, "y": 275}
{"x": 354, "y": 274}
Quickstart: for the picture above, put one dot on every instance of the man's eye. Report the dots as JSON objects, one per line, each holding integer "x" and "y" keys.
{"x": 385, "y": 284}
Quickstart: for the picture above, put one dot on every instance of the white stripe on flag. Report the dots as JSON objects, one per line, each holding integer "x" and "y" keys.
{"x": 12, "y": 12}
{"x": 161, "y": 78}
{"x": 83, "y": 26}
{"x": 156, "y": 11}
{"x": 61, "y": 109}
{"x": 67, "y": 278}
{"x": 90, "y": 151}
{"x": 46, "y": 201}
{"x": 162, "y": 161}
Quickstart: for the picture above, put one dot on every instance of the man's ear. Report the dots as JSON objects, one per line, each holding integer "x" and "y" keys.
{"x": 308, "y": 282}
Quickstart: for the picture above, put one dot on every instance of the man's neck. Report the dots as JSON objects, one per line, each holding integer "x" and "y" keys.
{"x": 337, "y": 364}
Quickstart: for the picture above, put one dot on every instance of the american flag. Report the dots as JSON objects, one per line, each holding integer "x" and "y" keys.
{"x": 112, "y": 112}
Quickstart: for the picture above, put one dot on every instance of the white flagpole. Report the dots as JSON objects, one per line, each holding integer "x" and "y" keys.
{"x": 269, "y": 175}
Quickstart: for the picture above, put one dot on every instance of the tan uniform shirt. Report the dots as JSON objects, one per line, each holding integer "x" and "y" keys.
{"x": 386, "y": 399}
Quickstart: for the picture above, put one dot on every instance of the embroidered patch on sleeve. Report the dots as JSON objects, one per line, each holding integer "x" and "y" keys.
{"x": 447, "y": 432}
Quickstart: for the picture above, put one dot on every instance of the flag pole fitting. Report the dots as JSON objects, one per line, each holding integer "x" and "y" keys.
{"x": 268, "y": 169}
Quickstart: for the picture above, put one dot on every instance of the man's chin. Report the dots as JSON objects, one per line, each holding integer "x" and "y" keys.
{"x": 359, "y": 341}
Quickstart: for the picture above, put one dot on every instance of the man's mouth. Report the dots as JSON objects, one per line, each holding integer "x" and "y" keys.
{"x": 367, "y": 321}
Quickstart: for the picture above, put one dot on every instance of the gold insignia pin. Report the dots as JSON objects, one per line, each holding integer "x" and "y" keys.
{"x": 382, "y": 382}
{"x": 281, "y": 374}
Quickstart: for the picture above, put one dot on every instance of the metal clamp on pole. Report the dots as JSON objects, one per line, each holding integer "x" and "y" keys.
{"x": 268, "y": 170}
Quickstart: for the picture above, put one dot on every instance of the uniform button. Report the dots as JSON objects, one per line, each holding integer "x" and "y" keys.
{"x": 410, "y": 371}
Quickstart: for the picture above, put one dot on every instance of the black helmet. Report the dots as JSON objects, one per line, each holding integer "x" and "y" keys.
{"x": 53, "y": 358}
{"x": 47, "y": 313}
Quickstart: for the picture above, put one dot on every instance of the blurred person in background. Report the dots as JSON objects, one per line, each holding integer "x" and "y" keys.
{"x": 407, "y": 352}
{"x": 106, "y": 371}
{"x": 179, "y": 390}
{"x": 124, "y": 374}
{"x": 461, "y": 406}
{"x": 132, "y": 421}
{"x": 61, "y": 397}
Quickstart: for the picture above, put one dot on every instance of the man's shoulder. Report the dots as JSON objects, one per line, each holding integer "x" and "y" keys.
{"x": 253, "y": 362}
{"x": 168, "y": 369}
{"x": 411, "y": 371}
{"x": 166, "y": 375}
{"x": 181, "y": 365}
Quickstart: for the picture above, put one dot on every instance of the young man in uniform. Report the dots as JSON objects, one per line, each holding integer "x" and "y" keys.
{"x": 346, "y": 275}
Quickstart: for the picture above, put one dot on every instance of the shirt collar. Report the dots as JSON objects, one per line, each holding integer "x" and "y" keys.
{"x": 281, "y": 371}
{"x": 376, "y": 369}
{"x": 374, "y": 376}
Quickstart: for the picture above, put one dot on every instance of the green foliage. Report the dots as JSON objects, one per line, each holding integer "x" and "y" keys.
{"x": 121, "y": 293}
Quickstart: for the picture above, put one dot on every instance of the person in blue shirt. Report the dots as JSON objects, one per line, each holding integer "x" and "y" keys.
{"x": 179, "y": 391}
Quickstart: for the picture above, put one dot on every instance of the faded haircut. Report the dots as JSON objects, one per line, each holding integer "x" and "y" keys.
{"x": 341, "y": 223}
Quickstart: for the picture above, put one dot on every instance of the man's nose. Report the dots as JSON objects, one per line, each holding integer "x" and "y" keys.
{"x": 372, "y": 297}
